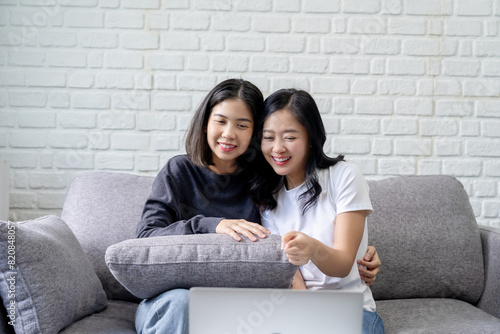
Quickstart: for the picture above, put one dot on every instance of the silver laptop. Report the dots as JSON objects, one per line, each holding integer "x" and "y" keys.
{"x": 274, "y": 311}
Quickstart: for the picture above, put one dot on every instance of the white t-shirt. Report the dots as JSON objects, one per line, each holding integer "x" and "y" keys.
{"x": 344, "y": 189}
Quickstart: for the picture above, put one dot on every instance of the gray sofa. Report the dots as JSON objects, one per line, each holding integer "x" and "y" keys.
{"x": 439, "y": 274}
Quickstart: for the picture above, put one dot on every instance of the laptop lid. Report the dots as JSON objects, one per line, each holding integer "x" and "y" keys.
{"x": 274, "y": 311}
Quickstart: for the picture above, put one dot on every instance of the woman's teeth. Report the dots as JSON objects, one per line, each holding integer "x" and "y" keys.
{"x": 281, "y": 159}
{"x": 227, "y": 146}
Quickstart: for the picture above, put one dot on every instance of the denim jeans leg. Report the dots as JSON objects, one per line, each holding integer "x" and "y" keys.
{"x": 166, "y": 313}
{"x": 372, "y": 323}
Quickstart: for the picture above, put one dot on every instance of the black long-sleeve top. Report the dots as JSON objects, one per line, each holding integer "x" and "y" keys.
{"x": 187, "y": 199}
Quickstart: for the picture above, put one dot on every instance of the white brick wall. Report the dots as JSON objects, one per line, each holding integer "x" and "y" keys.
{"x": 406, "y": 87}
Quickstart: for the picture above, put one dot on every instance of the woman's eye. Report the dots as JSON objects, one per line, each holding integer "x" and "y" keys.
{"x": 290, "y": 138}
{"x": 268, "y": 138}
{"x": 242, "y": 126}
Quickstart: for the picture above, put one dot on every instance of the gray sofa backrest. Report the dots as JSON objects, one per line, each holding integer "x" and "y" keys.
{"x": 422, "y": 226}
{"x": 103, "y": 209}
{"x": 426, "y": 234}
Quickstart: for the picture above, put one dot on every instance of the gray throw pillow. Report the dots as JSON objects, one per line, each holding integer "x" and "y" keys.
{"x": 150, "y": 266}
{"x": 46, "y": 280}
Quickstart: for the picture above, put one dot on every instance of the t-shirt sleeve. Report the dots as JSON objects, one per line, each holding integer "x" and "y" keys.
{"x": 162, "y": 212}
{"x": 269, "y": 222}
{"x": 349, "y": 189}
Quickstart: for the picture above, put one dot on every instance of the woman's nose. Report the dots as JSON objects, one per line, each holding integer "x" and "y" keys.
{"x": 278, "y": 147}
{"x": 228, "y": 133}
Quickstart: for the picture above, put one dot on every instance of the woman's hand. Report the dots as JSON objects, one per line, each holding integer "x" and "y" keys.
{"x": 298, "y": 247}
{"x": 372, "y": 263}
{"x": 235, "y": 227}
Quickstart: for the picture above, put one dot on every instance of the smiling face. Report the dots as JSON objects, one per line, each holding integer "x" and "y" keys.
{"x": 285, "y": 146}
{"x": 229, "y": 132}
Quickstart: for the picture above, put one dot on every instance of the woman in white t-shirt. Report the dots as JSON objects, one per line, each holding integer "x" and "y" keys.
{"x": 318, "y": 204}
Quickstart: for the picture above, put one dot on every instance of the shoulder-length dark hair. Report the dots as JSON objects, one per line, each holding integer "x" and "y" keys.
{"x": 267, "y": 183}
{"x": 196, "y": 139}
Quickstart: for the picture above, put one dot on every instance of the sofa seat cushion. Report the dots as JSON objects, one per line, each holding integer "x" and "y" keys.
{"x": 117, "y": 318}
{"x": 435, "y": 315}
{"x": 150, "y": 266}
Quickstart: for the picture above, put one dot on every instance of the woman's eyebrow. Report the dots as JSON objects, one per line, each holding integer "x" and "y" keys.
{"x": 285, "y": 131}
{"x": 238, "y": 119}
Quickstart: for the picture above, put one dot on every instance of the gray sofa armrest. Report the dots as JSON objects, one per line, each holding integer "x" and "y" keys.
{"x": 490, "y": 300}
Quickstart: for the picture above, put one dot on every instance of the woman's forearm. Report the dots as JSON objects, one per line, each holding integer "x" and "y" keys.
{"x": 330, "y": 261}
{"x": 338, "y": 261}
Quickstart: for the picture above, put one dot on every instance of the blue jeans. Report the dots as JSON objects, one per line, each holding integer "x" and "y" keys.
{"x": 166, "y": 313}
{"x": 372, "y": 323}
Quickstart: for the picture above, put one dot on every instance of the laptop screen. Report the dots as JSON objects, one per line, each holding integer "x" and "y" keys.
{"x": 274, "y": 311}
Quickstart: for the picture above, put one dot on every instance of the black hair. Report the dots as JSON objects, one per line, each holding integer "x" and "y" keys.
{"x": 267, "y": 183}
{"x": 197, "y": 147}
